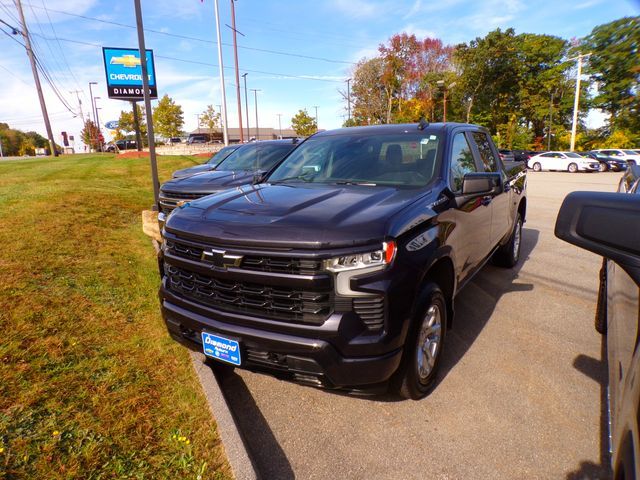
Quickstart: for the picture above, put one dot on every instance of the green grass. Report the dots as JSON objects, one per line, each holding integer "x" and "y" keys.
{"x": 91, "y": 385}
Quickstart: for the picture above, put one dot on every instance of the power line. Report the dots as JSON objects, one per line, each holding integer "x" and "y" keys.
{"x": 187, "y": 37}
{"x": 195, "y": 62}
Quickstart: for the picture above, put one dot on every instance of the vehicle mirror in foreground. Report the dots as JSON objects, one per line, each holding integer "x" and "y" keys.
{"x": 607, "y": 224}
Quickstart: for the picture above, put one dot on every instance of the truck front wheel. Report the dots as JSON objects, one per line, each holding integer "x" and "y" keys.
{"x": 424, "y": 346}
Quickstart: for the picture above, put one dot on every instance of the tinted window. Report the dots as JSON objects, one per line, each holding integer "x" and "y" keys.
{"x": 222, "y": 154}
{"x": 486, "y": 153}
{"x": 547, "y": 155}
{"x": 407, "y": 158}
{"x": 461, "y": 161}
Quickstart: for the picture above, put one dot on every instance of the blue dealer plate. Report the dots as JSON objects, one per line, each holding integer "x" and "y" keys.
{"x": 221, "y": 348}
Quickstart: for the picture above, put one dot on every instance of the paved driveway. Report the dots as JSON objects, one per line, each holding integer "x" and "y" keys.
{"x": 521, "y": 393}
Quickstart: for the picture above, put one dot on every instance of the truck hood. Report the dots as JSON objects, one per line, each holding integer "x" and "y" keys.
{"x": 192, "y": 170}
{"x": 294, "y": 216}
{"x": 209, "y": 182}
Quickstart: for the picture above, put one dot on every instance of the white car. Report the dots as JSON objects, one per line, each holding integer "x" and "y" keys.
{"x": 565, "y": 161}
{"x": 631, "y": 156}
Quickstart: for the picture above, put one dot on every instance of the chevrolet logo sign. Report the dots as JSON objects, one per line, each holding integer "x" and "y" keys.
{"x": 221, "y": 259}
{"x": 129, "y": 61}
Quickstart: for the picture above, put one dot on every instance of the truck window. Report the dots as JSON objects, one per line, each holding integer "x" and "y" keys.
{"x": 461, "y": 161}
{"x": 486, "y": 153}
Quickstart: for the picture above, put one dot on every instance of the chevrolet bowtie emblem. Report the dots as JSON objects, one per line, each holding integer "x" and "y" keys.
{"x": 221, "y": 259}
{"x": 129, "y": 61}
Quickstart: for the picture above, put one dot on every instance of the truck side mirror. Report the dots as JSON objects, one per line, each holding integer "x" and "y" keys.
{"x": 482, "y": 183}
{"x": 607, "y": 224}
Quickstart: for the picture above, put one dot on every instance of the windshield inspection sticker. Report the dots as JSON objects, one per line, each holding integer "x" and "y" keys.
{"x": 221, "y": 348}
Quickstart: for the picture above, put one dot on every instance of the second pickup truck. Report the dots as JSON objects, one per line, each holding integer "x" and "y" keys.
{"x": 341, "y": 269}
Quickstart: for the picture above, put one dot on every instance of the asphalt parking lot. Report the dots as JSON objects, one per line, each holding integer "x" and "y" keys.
{"x": 521, "y": 394}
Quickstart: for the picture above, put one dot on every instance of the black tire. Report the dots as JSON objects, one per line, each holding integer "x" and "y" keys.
{"x": 508, "y": 255}
{"x": 537, "y": 167}
{"x": 573, "y": 168}
{"x": 411, "y": 381}
{"x": 601, "y": 306}
{"x": 603, "y": 167}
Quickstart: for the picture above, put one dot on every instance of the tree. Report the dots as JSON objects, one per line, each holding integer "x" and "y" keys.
{"x": 368, "y": 96}
{"x": 304, "y": 124}
{"x": 210, "y": 119}
{"x": 126, "y": 125}
{"x": 92, "y": 136}
{"x": 614, "y": 66}
{"x": 168, "y": 117}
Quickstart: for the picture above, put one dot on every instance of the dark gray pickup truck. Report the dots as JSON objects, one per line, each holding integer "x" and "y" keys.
{"x": 340, "y": 270}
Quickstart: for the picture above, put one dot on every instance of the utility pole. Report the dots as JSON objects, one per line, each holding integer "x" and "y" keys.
{"x": 225, "y": 129}
{"x": 349, "y": 98}
{"x": 77, "y": 92}
{"x": 36, "y": 78}
{"x": 550, "y": 122}
{"x": 316, "y": 107}
{"x": 198, "y": 122}
{"x": 147, "y": 103}
{"x": 576, "y": 100}
{"x": 93, "y": 111}
{"x": 255, "y": 93}
{"x": 235, "y": 53}
{"x": 136, "y": 125}
{"x": 280, "y": 124}
{"x": 246, "y": 104}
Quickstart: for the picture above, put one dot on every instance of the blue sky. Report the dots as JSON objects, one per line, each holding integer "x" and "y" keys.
{"x": 337, "y": 32}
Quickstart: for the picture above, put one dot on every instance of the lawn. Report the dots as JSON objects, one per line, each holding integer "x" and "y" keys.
{"x": 91, "y": 385}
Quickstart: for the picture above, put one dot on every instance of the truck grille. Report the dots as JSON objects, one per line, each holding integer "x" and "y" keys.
{"x": 280, "y": 303}
{"x": 169, "y": 200}
{"x": 294, "y": 266}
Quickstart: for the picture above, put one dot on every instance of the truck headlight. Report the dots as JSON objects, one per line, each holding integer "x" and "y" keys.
{"x": 358, "y": 261}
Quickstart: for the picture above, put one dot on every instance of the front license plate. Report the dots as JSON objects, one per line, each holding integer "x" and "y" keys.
{"x": 221, "y": 348}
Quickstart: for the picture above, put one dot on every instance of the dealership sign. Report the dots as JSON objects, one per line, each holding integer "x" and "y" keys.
{"x": 111, "y": 125}
{"x": 124, "y": 73}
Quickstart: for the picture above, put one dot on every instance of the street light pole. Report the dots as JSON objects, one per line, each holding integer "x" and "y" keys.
{"x": 316, "y": 107}
{"x": 255, "y": 93}
{"x": 280, "y": 124}
{"x": 349, "y": 97}
{"x": 246, "y": 104}
{"x": 225, "y": 129}
{"x": 576, "y": 100}
{"x": 147, "y": 103}
{"x": 97, "y": 122}
{"x": 93, "y": 111}
{"x": 235, "y": 53}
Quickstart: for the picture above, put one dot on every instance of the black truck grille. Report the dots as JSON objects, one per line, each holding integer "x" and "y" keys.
{"x": 279, "y": 303}
{"x": 169, "y": 200}
{"x": 295, "y": 266}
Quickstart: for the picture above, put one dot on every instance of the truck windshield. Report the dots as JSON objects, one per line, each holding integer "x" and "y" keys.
{"x": 256, "y": 157}
{"x": 407, "y": 158}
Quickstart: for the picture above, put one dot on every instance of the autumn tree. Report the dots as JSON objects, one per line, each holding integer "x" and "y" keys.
{"x": 210, "y": 119}
{"x": 91, "y": 135}
{"x": 304, "y": 124}
{"x": 168, "y": 117}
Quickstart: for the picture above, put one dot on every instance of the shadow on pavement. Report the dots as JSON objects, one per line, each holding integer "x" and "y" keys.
{"x": 597, "y": 371}
{"x": 474, "y": 306}
{"x": 265, "y": 451}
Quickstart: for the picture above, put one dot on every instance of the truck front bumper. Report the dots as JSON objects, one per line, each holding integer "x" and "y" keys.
{"x": 311, "y": 361}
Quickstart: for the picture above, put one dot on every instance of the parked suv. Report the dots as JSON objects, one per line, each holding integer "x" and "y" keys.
{"x": 246, "y": 164}
{"x": 630, "y": 156}
{"x": 608, "y": 224}
{"x": 210, "y": 164}
{"x": 340, "y": 271}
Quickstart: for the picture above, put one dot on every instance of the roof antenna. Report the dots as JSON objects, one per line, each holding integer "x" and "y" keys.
{"x": 423, "y": 124}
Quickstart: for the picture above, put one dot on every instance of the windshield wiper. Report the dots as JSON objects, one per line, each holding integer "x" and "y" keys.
{"x": 350, "y": 182}
{"x": 303, "y": 176}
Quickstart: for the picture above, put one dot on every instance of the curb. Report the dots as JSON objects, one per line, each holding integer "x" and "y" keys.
{"x": 234, "y": 446}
